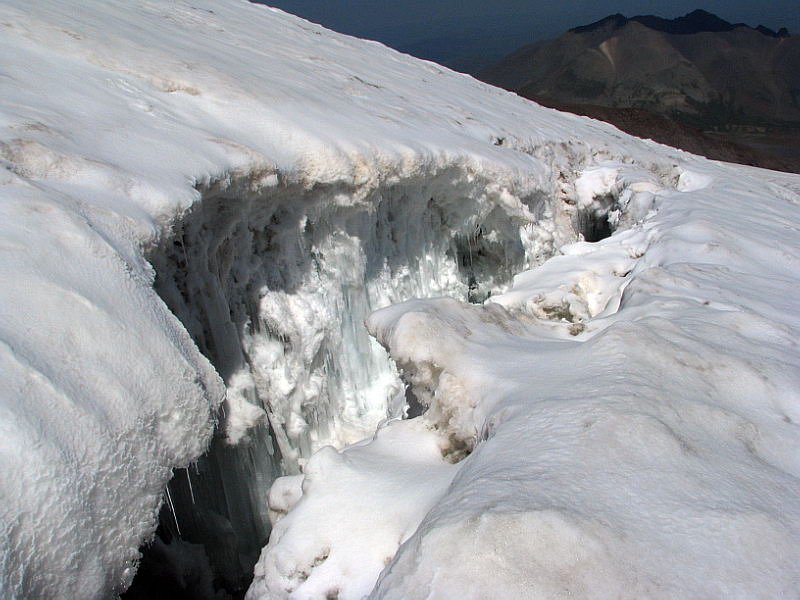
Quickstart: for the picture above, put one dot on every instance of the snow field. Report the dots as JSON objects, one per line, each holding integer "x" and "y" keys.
{"x": 206, "y": 196}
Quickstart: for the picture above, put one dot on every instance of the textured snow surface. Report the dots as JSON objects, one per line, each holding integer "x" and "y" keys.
{"x": 623, "y": 422}
{"x": 652, "y": 455}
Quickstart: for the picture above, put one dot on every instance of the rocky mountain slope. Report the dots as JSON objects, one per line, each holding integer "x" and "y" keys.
{"x": 741, "y": 83}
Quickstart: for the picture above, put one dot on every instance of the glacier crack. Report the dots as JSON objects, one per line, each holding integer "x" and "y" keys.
{"x": 274, "y": 280}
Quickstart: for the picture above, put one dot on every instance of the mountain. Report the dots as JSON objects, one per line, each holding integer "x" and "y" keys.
{"x": 295, "y": 315}
{"x": 698, "y": 21}
{"x": 736, "y": 81}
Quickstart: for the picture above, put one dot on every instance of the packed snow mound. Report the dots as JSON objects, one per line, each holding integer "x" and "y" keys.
{"x": 252, "y": 166}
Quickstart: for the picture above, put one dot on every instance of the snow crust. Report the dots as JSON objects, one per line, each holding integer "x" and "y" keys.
{"x": 202, "y": 201}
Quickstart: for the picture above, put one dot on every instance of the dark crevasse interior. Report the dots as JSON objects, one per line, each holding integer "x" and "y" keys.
{"x": 594, "y": 222}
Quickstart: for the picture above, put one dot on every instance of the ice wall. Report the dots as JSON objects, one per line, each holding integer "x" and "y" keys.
{"x": 273, "y": 280}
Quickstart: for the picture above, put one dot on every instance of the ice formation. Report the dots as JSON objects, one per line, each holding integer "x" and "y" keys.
{"x": 202, "y": 202}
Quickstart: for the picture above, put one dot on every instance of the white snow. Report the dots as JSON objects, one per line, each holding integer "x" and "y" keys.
{"x": 623, "y": 422}
{"x": 242, "y": 414}
{"x": 595, "y": 182}
{"x": 393, "y": 482}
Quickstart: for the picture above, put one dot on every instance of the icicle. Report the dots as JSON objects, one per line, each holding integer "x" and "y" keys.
{"x": 172, "y": 509}
{"x": 185, "y": 255}
{"x": 189, "y": 479}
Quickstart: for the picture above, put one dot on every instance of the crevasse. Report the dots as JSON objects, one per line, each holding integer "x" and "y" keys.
{"x": 273, "y": 280}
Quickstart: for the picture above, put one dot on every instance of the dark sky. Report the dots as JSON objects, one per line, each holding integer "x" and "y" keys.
{"x": 466, "y": 34}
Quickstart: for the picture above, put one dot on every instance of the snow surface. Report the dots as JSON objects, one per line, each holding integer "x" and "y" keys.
{"x": 622, "y": 422}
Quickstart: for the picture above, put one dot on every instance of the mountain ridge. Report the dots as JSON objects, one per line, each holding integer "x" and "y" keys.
{"x": 697, "y": 21}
